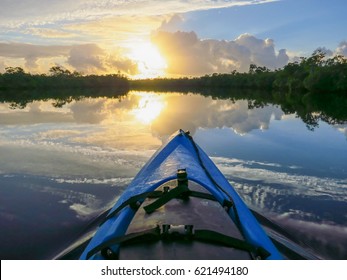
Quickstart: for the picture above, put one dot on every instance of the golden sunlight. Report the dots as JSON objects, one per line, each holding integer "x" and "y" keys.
{"x": 149, "y": 60}
{"x": 149, "y": 108}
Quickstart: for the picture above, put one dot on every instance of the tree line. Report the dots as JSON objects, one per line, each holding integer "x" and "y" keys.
{"x": 59, "y": 78}
{"x": 313, "y": 74}
{"x": 310, "y": 107}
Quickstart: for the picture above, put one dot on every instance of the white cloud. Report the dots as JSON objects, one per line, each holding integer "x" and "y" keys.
{"x": 295, "y": 184}
{"x": 17, "y": 13}
{"x": 171, "y": 24}
{"x": 49, "y": 33}
{"x": 263, "y": 51}
{"x": 33, "y": 114}
{"x": 186, "y": 54}
{"x": 316, "y": 235}
{"x": 111, "y": 23}
{"x": 342, "y": 48}
{"x": 209, "y": 113}
{"x": 326, "y": 51}
{"x": 87, "y": 58}
{"x": 117, "y": 62}
{"x": 96, "y": 181}
{"x": 32, "y": 153}
{"x": 90, "y": 111}
{"x": 342, "y": 128}
{"x": 31, "y": 53}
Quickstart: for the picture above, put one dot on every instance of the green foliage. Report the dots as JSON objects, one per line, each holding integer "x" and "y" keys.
{"x": 59, "y": 71}
{"x": 59, "y": 78}
{"x": 14, "y": 70}
{"x": 299, "y": 87}
{"x": 313, "y": 74}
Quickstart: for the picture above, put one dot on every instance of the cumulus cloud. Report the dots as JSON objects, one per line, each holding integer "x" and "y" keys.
{"x": 342, "y": 48}
{"x": 171, "y": 24}
{"x": 124, "y": 65}
{"x": 186, "y": 54}
{"x": 263, "y": 51}
{"x": 86, "y": 58}
{"x": 325, "y": 50}
{"x": 95, "y": 111}
{"x": 31, "y": 53}
{"x": 209, "y": 113}
{"x": 342, "y": 128}
{"x": 90, "y": 59}
{"x": 33, "y": 115}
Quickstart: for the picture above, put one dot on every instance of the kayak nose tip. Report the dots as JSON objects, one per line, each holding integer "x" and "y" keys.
{"x": 182, "y": 177}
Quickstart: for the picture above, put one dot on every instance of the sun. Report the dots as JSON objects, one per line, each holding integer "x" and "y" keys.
{"x": 149, "y": 60}
{"x": 149, "y": 108}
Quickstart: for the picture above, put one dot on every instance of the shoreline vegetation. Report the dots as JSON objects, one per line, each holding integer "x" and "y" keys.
{"x": 314, "y": 74}
{"x": 286, "y": 88}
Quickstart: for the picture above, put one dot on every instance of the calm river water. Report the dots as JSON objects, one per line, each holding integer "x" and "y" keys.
{"x": 62, "y": 163}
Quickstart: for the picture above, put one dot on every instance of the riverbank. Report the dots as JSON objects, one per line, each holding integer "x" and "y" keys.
{"x": 316, "y": 74}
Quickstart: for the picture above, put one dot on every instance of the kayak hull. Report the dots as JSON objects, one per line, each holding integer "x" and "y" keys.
{"x": 182, "y": 153}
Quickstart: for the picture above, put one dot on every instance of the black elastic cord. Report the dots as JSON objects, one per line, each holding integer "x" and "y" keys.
{"x": 134, "y": 201}
{"x": 152, "y": 234}
{"x": 202, "y": 235}
{"x": 166, "y": 197}
{"x": 210, "y": 236}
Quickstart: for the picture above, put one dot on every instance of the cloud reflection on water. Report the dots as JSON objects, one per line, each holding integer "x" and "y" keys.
{"x": 102, "y": 142}
{"x": 107, "y": 131}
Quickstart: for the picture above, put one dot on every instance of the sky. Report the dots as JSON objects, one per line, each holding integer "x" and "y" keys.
{"x": 167, "y": 38}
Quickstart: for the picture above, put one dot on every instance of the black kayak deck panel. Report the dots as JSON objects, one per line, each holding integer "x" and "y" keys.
{"x": 201, "y": 213}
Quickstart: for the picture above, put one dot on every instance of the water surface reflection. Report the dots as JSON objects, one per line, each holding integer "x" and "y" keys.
{"x": 71, "y": 161}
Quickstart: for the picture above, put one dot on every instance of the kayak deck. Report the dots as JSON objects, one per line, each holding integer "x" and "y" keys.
{"x": 216, "y": 225}
{"x": 203, "y": 213}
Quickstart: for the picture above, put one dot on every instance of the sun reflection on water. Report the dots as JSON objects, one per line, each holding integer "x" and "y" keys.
{"x": 149, "y": 108}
